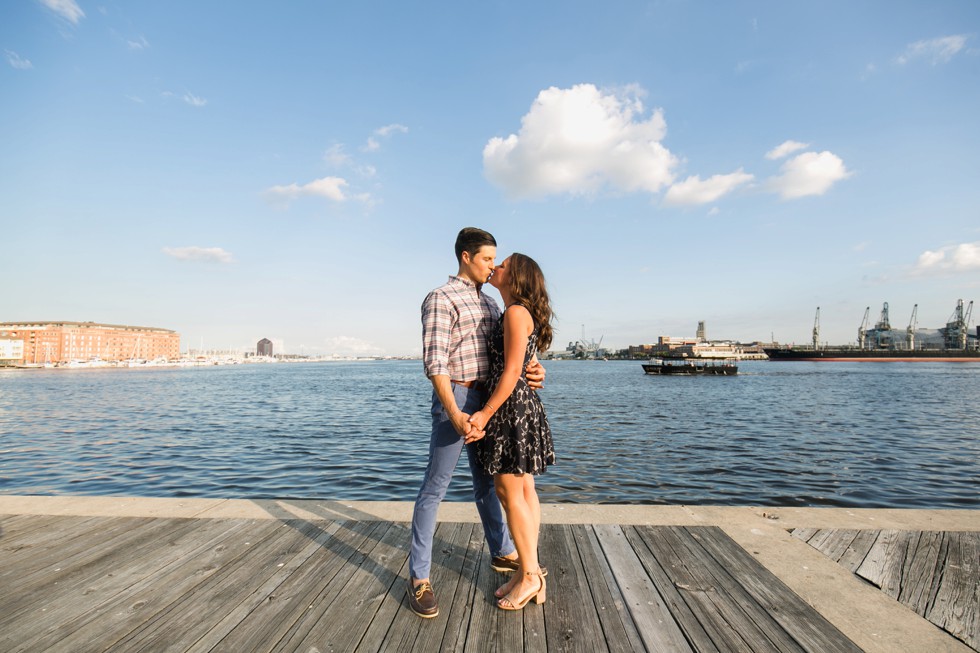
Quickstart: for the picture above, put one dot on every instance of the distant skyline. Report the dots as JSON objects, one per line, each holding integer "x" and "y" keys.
{"x": 298, "y": 171}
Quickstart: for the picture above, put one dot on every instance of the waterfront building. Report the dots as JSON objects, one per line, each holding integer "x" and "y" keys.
{"x": 62, "y": 342}
{"x": 11, "y": 349}
{"x": 264, "y": 347}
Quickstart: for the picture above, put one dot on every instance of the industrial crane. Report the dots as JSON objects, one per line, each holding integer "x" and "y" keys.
{"x": 863, "y": 329}
{"x": 816, "y": 330}
{"x": 913, "y": 323}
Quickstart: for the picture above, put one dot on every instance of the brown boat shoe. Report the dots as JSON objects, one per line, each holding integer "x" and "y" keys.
{"x": 421, "y": 599}
{"x": 508, "y": 565}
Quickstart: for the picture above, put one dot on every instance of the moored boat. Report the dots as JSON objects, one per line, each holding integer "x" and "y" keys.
{"x": 689, "y": 367}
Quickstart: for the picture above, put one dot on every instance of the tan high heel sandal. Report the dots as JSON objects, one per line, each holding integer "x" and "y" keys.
{"x": 539, "y": 595}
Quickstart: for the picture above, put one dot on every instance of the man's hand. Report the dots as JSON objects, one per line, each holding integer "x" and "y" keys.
{"x": 534, "y": 373}
{"x": 461, "y": 422}
{"x": 478, "y": 424}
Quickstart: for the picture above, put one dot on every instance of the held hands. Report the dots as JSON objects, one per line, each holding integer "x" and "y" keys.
{"x": 478, "y": 421}
{"x": 462, "y": 423}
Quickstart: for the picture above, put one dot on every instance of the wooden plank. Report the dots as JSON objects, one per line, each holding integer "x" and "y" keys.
{"x": 805, "y": 534}
{"x": 885, "y": 561}
{"x": 920, "y": 573}
{"x": 957, "y": 603}
{"x": 808, "y": 627}
{"x": 647, "y": 606}
{"x": 617, "y": 626}
{"x": 208, "y": 601}
{"x": 572, "y": 621}
{"x": 732, "y": 615}
{"x": 348, "y": 547}
{"x": 455, "y": 547}
{"x": 348, "y": 617}
{"x": 15, "y": 527}
{"x": 254, "y": 622}
{"x": 836, "y": 543}
{"x": 858, "y": 550}
{"x": 63, "y": 589}
{"x": 128, "y": 591}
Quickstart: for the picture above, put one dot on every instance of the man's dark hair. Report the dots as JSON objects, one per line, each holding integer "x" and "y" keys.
{"x": 471, "y": 239}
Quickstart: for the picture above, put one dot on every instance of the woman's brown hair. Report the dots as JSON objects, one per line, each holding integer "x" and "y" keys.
{"x": 527, "y": 288}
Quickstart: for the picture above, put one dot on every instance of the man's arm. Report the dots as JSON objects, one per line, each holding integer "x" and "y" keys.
{"x": 444, "y": 390}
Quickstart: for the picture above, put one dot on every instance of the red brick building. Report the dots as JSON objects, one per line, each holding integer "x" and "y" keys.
{"x": 60, "y": 342}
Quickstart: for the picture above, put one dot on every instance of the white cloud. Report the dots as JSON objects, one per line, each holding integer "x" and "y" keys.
{"x": 15, "y": 61}
{"x": 695, "y": 191}
{"x": 810, "y": 173}
{"x": 208, "y": 254}
{"x": 937, "y": 51}
{"x": 580, "y": 140}
{"x": 140, "y": 44}
{"x": 336, "y": 156}
{"x": 785, "y": 148}
{"x": 67, "y": 9}
{"x": 373, "y": 144}
{"x": 329, "y": 187}
{"x": 193, "y": 100}
{"x": 964, "y": 257}
{"x": 351, "y": 346}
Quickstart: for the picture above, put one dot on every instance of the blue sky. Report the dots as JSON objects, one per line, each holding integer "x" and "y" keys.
{"x": 299, "y": 170}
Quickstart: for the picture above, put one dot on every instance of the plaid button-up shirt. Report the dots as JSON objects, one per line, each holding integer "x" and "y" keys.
{"x": 456, "y": 322}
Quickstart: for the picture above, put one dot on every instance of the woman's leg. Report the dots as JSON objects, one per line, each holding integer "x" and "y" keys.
{"x": 523, "y": 522}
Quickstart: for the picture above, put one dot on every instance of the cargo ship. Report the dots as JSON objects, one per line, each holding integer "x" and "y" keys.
{"x": 882, "y": 343}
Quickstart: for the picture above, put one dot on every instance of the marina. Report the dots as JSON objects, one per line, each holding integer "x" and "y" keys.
{"x": 124, "y": 574}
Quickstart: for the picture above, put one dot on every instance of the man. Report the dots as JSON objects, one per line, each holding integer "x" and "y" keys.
{"x": 457, "y": 318}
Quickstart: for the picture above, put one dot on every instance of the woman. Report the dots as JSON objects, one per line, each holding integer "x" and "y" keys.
{"x": 518, "y": 441}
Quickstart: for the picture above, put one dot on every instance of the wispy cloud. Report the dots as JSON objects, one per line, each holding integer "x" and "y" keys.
{"x": 810, "y": 173}
{"x": 193, "y": 100}
{"x": 694, "y": 190}
{"x": 785, "y": 148}
{"x": 964, "y": 257}
{"x": 67, "y": 9}
{"x": 331, "y": 188}
{"x": 579, "y": 141}
{"x": 351, "y": 346}
{"x": 16, "y": 61}
{"x": 134, "y": 98}
{"x": 139, "y": 44}
{"x": 206, "y": 254}
{"x": 337, "y": 156}
{"x": 384, "y": 132}
{"x": 936, "y": 51}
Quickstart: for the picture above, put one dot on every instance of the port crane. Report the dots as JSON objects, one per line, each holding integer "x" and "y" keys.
{"x": 883, "y": 329}
{"x": 816, "y": 330}
{"x": 955, "y": 333}
{"x": 913, "y": 324}
{"x": 863, "y": 329}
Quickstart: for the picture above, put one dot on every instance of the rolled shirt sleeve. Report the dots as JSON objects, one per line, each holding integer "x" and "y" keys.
{"x": 438, "y": 316}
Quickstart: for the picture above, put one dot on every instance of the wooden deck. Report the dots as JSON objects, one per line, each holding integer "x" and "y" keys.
{"x": 935, "y": 573}
{"x": 172, "y": 584}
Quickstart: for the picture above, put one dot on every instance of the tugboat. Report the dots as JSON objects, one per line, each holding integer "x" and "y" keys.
{"x": 689, "y": 367}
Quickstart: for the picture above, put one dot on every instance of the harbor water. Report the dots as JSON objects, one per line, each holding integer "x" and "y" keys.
{"x": 874, "y": 435}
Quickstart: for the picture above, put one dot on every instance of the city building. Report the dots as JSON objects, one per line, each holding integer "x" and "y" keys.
{"x": 264, "y": 347}
{"x": 11, "y": 349}
{"x": 63, "y": 342}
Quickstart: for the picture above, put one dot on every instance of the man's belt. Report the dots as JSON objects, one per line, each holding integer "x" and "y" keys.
{"x": 473, "y": 385}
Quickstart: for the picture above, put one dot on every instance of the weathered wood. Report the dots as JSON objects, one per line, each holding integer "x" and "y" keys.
{"x": 733, "y": 617}
{"x": 805, "y": 534}
{"x": 618, "y": 628}
{"x": 858, "y": 550}
{"x": 920, "y": 572}
{"x": 141, "y": 582}
{"x": 207, "y": 597}
{"x": 210, "y": 585}
{"x": 808, "y": 627}
{"x": 886, "y": 560}
{"x": 647, "y": 607}
{"x": 833, "y": 542}
{"x": 957, "y": 601}
{"x": 573, "y": 623}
